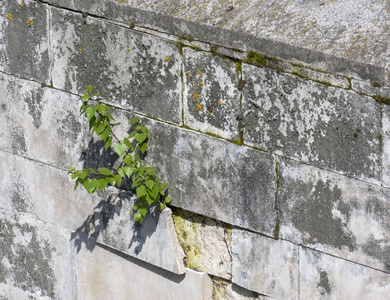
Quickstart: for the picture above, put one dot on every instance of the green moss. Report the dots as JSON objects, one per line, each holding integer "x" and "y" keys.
{"x": 238, "y": 142}
{"x": 241, "y": 84}
{"x": 214, "y": 49}
{"x": 132, "y": 25}
{"x": 257, "y": 59}
{"x": 376, "y": 84}
{"x": 382, "y": 99}
{"x": 185, "y": 37}
{"x": 239, "y": 67}
{"x": 380, "y": 138}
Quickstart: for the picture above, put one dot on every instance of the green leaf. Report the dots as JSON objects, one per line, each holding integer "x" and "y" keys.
{"x": 142, "y": 147}
{"x": 116, "y": 124}
{"x": 90, "y": 112}
{"x": 168, "y": 199}
{"x": 121, "y": 172}
{"x": 120, "y": 148}
{"x": 149, "y": 199}
{"x": 89, "y": 89}
{"x": 102, "y": 108}
{"x": 133, "y": 134}
{"x": 108, "y": 143}
{"x": 129, "y": 171}
{"x": 84, "y": 106}
{"x": 141, "y": 191}
{"x": 138, "y": 127}
{"x": 83, "y": 174}
{"x": 118, "y": 180}
{"x": 105, "y": 171}
{"x": 110, "y": 116}
{"x": 70, "y": 169}
{"x": 127, "y": 142}
{"x": 100, "y": 128}
{"x": 137, "y": 158}
{"x": 74, "y": 176}
{"x": 155, "y": 191}
{"x": 133, "y": 121}
{"x": 128, "y": 159}
{"x": 145, "y": 131}
{"x": 90, "y": 185}
{"x": 162, "y": 206}
{"x": 102, "y": 183}
{"x": 104, "y": 135}
{"x": 86, "y": 97}
{"x": 76, "y": 184}
{"x": 111, "y": 179}
{"x": 150, "y": 171}
{"x": 138, "y": 217}
{"x": 149, "y": 184}
{"x": 143, "y": 210}
{"x": 164, "y": 186}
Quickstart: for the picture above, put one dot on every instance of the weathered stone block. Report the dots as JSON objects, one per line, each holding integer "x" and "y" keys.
{"x": 368, "y": 88}
{"x": 43, "y": 191}
{"x": 36, "y": 259}
{"x": 324, "y": 126}
{"x": 24, "y": 40}
{"x": 41, "y": 123}
{"x": 135, "y": 71}
{"x": 335, "y": 214}
{"x": 154, "y": 241}
{"x": 386, "y": 145}
{"x": 265, "y": 265}
{"x": 326, "y": 277}
{"x": 227, "y": 291}
{"x": 211, "y": 95}
{"x": 206, "y": 243}
{"x": 218, "y": 179}
{"x": 134, "y": 279}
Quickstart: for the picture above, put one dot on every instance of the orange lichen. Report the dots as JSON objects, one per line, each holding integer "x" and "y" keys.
{"x": 201, "y": 83}
{"x": 9, "y": 17}
{"x": 198, "y": 107}
{"x": 220, "y": 102}
{"x": 21, "y": 4}
{"x": 168, "y": 59}
{"x": 80, "y": 49}
{"x": 30, "y": 22}
{"x": 189, "y": 75}
{"x": 200, "y": 73}
{"x": 196, "y": 96}
{"x": 128, "y": 48}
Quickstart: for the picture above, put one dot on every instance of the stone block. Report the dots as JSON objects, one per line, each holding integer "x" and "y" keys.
{"x": 211, "y": 95}
{"x": 36, "y": 259}
{"x": 368, "y": 88}
{"x": 221, "y": 180}
{"x": 132, "y": 70}
{"x": 43, "y": 191}
{"x": 228, "y": 291}
{"x": 41, "y": 123}
{"x": 134, "y": 279}
{"x": 24, "y": 40}
{"x": 386, "y": 145}
{"x": 154, "y": 241}
{"x": 326, "y": 277}
{"x": 215, "y": 178}
{"x": 324, "y": 126}
{"x": 265, "y": 265}
{"x": 335, "y": 214}
{"x": 206, "y": 243}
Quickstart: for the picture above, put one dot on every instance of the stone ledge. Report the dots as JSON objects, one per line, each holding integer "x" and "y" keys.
{"x": 251, "y": 26}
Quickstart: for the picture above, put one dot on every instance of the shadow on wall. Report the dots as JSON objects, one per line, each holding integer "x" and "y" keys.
{"x": 115, "y": 204}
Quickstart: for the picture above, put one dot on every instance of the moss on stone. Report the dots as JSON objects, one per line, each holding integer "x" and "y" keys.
{"x": 257, "y": 59}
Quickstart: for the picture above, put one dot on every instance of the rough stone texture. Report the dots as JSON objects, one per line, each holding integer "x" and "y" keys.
{"x": 324, "y": 126}
{"x": 386, "y": 145}
{"x": 41, "y": 123}
{"x": 112, "y": 224}
{"x": 337, "y": 36}
{"x": 206, "y": 243}
{"x": 335, "y": 214}
{"x": 36, "y": 259}
{"x": 327, "y": 277}
{"x": 135, "y": 71}
{"x": 134, "y": 279}
{"x": 211, "y": 95}
{"x": 221, "y": 180}
{"x": 24, "y": 49}
{"x": 43, "y": 191}
{"x": 265, "y": 265}
{"x": 369, "y": 88}
{"x": 227, "y": 291}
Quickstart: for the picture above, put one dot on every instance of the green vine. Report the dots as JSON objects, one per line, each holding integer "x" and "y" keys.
{"x": 149, "y": 189}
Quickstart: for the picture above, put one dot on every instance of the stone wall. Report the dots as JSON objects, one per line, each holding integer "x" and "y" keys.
{"x": 269, "y": 120}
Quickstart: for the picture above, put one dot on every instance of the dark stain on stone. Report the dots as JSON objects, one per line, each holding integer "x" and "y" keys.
{"x": 312, "y": 215}
{"x": 324, "y": 283}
